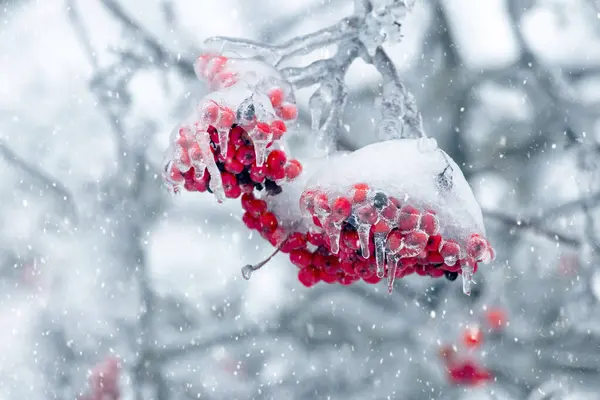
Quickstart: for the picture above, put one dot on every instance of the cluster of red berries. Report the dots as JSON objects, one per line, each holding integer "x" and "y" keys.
{"x": 306, "y": 250}
{"x": 238, "y": 168}
{"x": 469, "y": 372}
{"x": 222, "y": 72}
{"x": 369, "y": 230}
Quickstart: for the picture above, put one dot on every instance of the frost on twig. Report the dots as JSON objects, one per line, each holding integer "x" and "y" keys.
{"x": 399, "y": 114}
{"x": 275, "y": 54}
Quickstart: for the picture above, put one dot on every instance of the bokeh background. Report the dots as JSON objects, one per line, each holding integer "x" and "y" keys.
{"x": 97, "y": 260}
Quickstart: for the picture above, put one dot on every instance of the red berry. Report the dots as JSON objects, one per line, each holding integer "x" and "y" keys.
{"x": 293, "y": 169}
{"x": 321, "y": 203}
{"x": 316, "y": 239}
{"x": 288, "y": 112}
{"x": 235, "y": 136}
{"x": 364, "y": 269}
{"x": 359, "y": 192}
{"x": 331, "y": 265}
{"x": 395, "y": 241}
{"x": 276, "y": 160}
{"x": 473, "y": 337}
{"x": 496, "y": 318}
{"x": 246, "y": 199}
{"x": 350, "y": 239}
{"x": 256, "y": 207}
{"x": 276, "y": 174}
{"x": 477, "y": 247}
{"x": 277, "y": 236}
{"x": 227, "y": 118}
{"x": 341, "y": 209}
{"x": 381, "y": 227}
{"x": 450, "y": 250}
{"x": 408, "y": 218}
{"x": 210, "y": 112}
{"x": 233, "y": 192}
{"x": 366, "y": 215}
{"x": 434, "y": 242}
{"x": 294, "y": 242}
{"x": 250, "y": 221}
{"x": 301, "y": 257}
{"x": 309, "y": 276}
{"x": 430, "y": 223}
{"x": 234, "y": 166}
{"x": 245, "y": 155}
{"x": 278, "y": 128}
{"x": 347, "y": 279}
{"x": 373, "y": 279}
{"x": 435, "y": 258}
{"x": 390, "y": 212}
{"x": 268, "y": 222}
{"x": 348, "y": 267}
{"x": 258, "y": 174}
{"x": 436, "y": 272}
{"x": 229, "y": 181}
{"x": 276, "y": 96}
{"x": 327, "y": 278}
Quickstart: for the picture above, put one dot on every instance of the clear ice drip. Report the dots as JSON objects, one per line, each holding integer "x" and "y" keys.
{"x": 379, "y": 239}
{"x": 392, "y": 264}
{"x": 216, "y": 184}
{"x": 467, "y": 278}
{"x": 363, "y": 238}
{"x": 334, "y": 231}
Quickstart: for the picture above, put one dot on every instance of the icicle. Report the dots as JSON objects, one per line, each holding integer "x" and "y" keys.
{"x": 260, "y": 150}
{"x": 223, "y": 140}
{"x": 363, "y": 238}
{"x": 379, "y": 239}
{"x": 216, "y": 184}
{"x": 334, "y": 231}
{"x": 392, "y": 264}
{"x": 467, "y": 278}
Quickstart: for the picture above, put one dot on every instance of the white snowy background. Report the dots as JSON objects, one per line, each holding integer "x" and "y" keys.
{"x": 96, "y": 259}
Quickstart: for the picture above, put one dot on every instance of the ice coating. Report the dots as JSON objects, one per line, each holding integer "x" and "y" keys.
{"x": 221, "y": 72}
{"x": 286, "y": 204}
{"x": 402, "y": 168}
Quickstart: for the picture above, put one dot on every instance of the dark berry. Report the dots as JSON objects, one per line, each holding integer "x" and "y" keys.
{"x": 258, "y": 186}
{"x": 380, "y": 200}
{"x": 451, "y": 276}
{"x": 272, "y": 188}
{"x": 244, "y": 177}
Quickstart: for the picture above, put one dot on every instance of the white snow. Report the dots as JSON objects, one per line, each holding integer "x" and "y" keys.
{"x": 400, "y": 168}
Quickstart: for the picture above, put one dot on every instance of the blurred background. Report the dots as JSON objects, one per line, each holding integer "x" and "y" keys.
{"x": 98, "y": 261}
